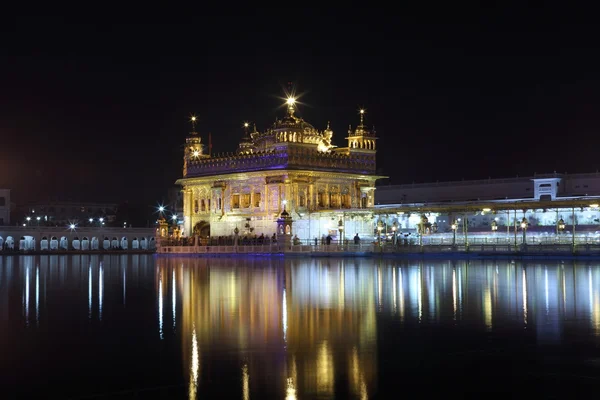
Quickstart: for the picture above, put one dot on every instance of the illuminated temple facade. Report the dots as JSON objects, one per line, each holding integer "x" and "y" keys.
{"x": 291, "y": 167}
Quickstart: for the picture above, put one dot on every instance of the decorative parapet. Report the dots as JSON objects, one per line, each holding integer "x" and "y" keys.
{"x": 290, "y": 158}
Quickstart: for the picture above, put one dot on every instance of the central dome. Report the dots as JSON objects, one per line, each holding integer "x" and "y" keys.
{"x": 291, "y": 122}
{"x": 292, "y": 129}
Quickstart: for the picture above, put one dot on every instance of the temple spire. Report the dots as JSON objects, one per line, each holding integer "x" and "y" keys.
{"x": 291, "y": 103}
{"x": 362, "y": 112}
{"x": 193, "y": 122}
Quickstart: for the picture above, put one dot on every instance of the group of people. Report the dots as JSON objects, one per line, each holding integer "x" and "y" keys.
{"x": 247, "y": 240}
{"x": 326, "y": 240}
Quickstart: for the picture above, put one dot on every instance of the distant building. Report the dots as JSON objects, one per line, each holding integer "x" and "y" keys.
{"x": 538, "y": 187}
{"x": 4, "y": 206}
{"x": 547, "y": 202}
{"x": 66, "y": 212}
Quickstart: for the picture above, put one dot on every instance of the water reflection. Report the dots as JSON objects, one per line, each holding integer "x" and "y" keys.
{"x": 289, "y": 328}
{"x": 317, "y": 320}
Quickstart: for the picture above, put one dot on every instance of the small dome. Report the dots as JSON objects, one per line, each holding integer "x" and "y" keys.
{"x": 284, "y": 214}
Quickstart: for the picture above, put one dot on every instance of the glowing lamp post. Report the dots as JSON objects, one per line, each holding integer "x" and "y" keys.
{"x": 394, "y": 228}
{"x": 341, "y": 230}
{"x": 494, "y": 226}
{"x": 524, "y": 225}
{"x": 379, "y": 229}
{"x": 454, "y": 227}
{"x": 561, "y": 225}
{"x": 28, "y": 219}
{"x": 38, "y": 220}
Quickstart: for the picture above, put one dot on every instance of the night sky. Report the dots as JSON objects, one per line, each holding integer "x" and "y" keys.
{"x": 99, "y": 111}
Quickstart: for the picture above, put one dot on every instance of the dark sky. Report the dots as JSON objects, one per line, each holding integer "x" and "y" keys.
{"x": 98, "y": 110}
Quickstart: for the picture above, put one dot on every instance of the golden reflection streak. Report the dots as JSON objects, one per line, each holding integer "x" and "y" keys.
{"x": 245, "y": 382}
{"x": 487, "y": 307}
{"x": 325, "y": 372}
{"x": 284, "y": 316}
{"x": 195, "y": 366}
{"x": 290, "y": 390}
{"x": 358, "y": 384}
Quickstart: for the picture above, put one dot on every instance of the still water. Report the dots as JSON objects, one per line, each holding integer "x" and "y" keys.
{"x": 120, "y": 326}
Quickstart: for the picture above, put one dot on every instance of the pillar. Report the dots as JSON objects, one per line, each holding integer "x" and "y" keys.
{"x": 188, "y": 205}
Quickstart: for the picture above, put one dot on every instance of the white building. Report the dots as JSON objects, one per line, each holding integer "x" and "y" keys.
{"x": 547, "y": 202}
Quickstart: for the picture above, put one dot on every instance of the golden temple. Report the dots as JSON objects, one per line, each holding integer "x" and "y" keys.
{"x": 291, "y": 166}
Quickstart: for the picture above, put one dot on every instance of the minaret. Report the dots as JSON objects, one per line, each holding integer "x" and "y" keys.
{"x": 361, "y": 138}
{"x": 246, "y": 144}
{"x": 193, "y": 147}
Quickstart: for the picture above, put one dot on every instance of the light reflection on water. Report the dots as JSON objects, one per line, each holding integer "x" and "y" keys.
{"x": 284, "y": 328}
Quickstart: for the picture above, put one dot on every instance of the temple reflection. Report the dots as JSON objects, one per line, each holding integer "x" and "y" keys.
{"x": 304, "y": 319}
{"x": 331, "y": 324}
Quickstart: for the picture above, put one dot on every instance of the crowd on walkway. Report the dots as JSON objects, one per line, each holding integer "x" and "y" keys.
{"x": 248, "y": 240}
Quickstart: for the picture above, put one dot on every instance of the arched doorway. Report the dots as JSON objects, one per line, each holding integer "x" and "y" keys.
{"x": 202, "y": 229}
